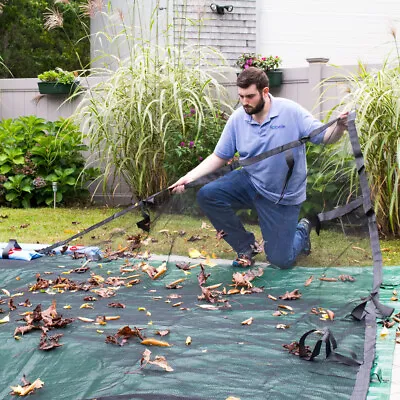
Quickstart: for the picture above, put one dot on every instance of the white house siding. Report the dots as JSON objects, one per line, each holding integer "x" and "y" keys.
{"x": 343, "y": 31}
{"x": 232, "y": 33}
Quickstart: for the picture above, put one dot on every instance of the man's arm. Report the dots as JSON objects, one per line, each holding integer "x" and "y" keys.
{"x": 335, "y": 131}
{"x": 210, "y": 164}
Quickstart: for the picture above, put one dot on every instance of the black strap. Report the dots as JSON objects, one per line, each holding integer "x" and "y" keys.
{"x": 330, "y": 347}
{"x": 280, "y": 149}
{"x": 12, "y": 244}
{"x": 369, "y": 212}
{"x": 290, "y": 163}
{"x": 338, "y": 212}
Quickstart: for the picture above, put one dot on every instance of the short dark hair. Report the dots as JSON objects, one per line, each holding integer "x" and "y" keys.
{"x": 252, "y": 76}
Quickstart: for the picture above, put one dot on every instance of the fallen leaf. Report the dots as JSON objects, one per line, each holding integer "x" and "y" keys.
{"x": 248, "y": 321}
{"x": 5, "y": 319}
{"x": 193, "y": 253}
{"x": 154, "y": 342}
{"x": 6, "y": 292}
{"x": 331, "y": 314}
{"x": 324, "y": 278}
{"x": 309, "y": 280}
{"x": 285, "y": 307}
{"x": 86, "y": 305}
{"x": 294, "y": 295}
{"x": 26, "y": 389}
{"x": 272, "y": 297}
{"x": 116, "y": 305}
{"x": 83, "y": 319}
{"x": 175, "y": 284}
{"x": 188, "y": 341}
{"x": 163, "y": 333}
{"x": 282, "y": 326}
{"x": 112, "y": 318}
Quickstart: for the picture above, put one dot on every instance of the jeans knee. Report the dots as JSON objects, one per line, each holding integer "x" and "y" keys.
{"x": 204, "y": 196}
{"x": 281, "y": 261}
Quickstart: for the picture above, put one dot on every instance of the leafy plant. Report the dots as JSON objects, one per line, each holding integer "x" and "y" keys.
{"x": 58, "y": 75}
{"x": 269, "y": 63}
{"x": 36, "y": 153}
{"x": 375, "y": 95}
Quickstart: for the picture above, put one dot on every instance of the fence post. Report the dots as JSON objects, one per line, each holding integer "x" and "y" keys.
{"x": 315, "y": 76}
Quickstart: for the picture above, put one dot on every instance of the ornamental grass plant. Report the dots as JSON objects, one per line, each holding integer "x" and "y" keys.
{"x": 375, "y": 95}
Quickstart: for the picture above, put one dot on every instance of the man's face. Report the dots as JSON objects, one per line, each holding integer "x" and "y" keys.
{"x": 252, "y": 100}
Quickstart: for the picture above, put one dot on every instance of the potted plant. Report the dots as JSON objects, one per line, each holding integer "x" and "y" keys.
{"x": 58, "y": 81}
{"x": 270, "y": 65}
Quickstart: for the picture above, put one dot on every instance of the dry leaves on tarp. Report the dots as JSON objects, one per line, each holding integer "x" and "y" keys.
{"x": 116, "y": 305}
{"x": 155, "y": 273}
{"x": 293, "y": 295}
{"x": 44, "y": 320}
{"x": 26, "y": 387}
{"x": 294, "y": 348}
{"x": 49, "y": 342}
{"x": 245, "y": 278}
{"x": 159, "y": 361}
{"x": 123, "y": 334}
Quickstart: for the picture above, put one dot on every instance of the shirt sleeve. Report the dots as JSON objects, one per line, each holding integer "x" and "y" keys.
{"x": 308, "y": 123}
{"x": 226, "y": 146}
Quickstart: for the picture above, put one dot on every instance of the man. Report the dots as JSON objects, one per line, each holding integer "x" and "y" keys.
{"x": 274, "y": 187}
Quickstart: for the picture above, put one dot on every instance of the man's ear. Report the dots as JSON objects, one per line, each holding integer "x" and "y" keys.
{"x": 265, "y": 92}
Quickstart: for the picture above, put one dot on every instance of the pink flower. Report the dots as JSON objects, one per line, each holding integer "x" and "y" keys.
{"x": 191, "y": 144}
{"x": 200, "y": 158}
{"x": 246, "y": 66}
{"x": 264, "y": 58}
{"x": 249, "y": 61}
{"x": 182, "y": 144}
{"x": 192, "y": 111}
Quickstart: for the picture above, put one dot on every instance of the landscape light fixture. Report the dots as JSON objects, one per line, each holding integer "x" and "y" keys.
{"x": 220, "y": 9}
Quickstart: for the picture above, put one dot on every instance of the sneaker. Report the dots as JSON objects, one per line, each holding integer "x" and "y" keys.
{"x": 243, "y": 260}
{"x": 256, "y": 248}
{"x": 306, "y": 225}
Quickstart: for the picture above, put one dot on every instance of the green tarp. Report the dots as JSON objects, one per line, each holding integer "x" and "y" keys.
{"x": 225, "y": 358}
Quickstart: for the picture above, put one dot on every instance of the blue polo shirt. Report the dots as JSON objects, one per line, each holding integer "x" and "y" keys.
{"x": 286, "y": 121}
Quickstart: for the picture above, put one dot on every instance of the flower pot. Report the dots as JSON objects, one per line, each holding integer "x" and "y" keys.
{"x": 57, "y": 88}
{"x": 275, "y": 78}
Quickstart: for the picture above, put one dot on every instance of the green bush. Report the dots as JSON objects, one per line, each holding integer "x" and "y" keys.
{"x": 28, "y": 49}
{"x": 34, "y": 154}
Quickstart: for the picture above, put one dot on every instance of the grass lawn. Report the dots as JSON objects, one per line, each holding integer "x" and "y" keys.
{"x": 47, "y": 225}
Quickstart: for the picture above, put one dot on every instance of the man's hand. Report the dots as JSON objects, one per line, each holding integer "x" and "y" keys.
{"x": 335, "y": 132}
{"x": 179, "y": 186}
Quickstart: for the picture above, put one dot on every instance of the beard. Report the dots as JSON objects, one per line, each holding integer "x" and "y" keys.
{"x": 250, "y": 110}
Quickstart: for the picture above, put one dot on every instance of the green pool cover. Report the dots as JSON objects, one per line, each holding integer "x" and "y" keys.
{"x": 223, "y": 357}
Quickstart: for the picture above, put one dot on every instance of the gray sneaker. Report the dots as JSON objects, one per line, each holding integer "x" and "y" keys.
{"x": 305, "y": 224}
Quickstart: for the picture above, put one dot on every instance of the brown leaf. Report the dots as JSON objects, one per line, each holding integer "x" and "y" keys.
{"x": 294, "y": 295}
{"x": 49, "y": 342}
{"x": 161, "y": 362}
{"x": 194, "y": 238}
{"x": 185, "y": 266}
{"x": 309, "y": 280}
{"x": 345, "y": 278}
{"x": 116, "y": 305}
{"x": 202, "y": 277}
{"x": 324, "y": 278}
{"x": 175, "y": 284}
{"x": 220, "y": 234}
{"x": 163, "y": 333}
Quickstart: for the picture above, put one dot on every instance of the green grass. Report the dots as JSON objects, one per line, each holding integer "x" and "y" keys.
{"x": 47, "y": 225}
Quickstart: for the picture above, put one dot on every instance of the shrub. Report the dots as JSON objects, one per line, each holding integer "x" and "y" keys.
{"x": 34, "y": 154}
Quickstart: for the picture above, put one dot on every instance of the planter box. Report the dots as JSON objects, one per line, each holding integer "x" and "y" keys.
{"x": 275, "y": 78}
{"x": 57, "y": 88}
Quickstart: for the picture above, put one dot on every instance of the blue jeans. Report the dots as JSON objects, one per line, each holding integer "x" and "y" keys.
{"x": 283, "y": 238}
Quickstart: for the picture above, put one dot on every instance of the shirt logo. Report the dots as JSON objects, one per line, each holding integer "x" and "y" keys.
{"x": 278, "y": 126}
